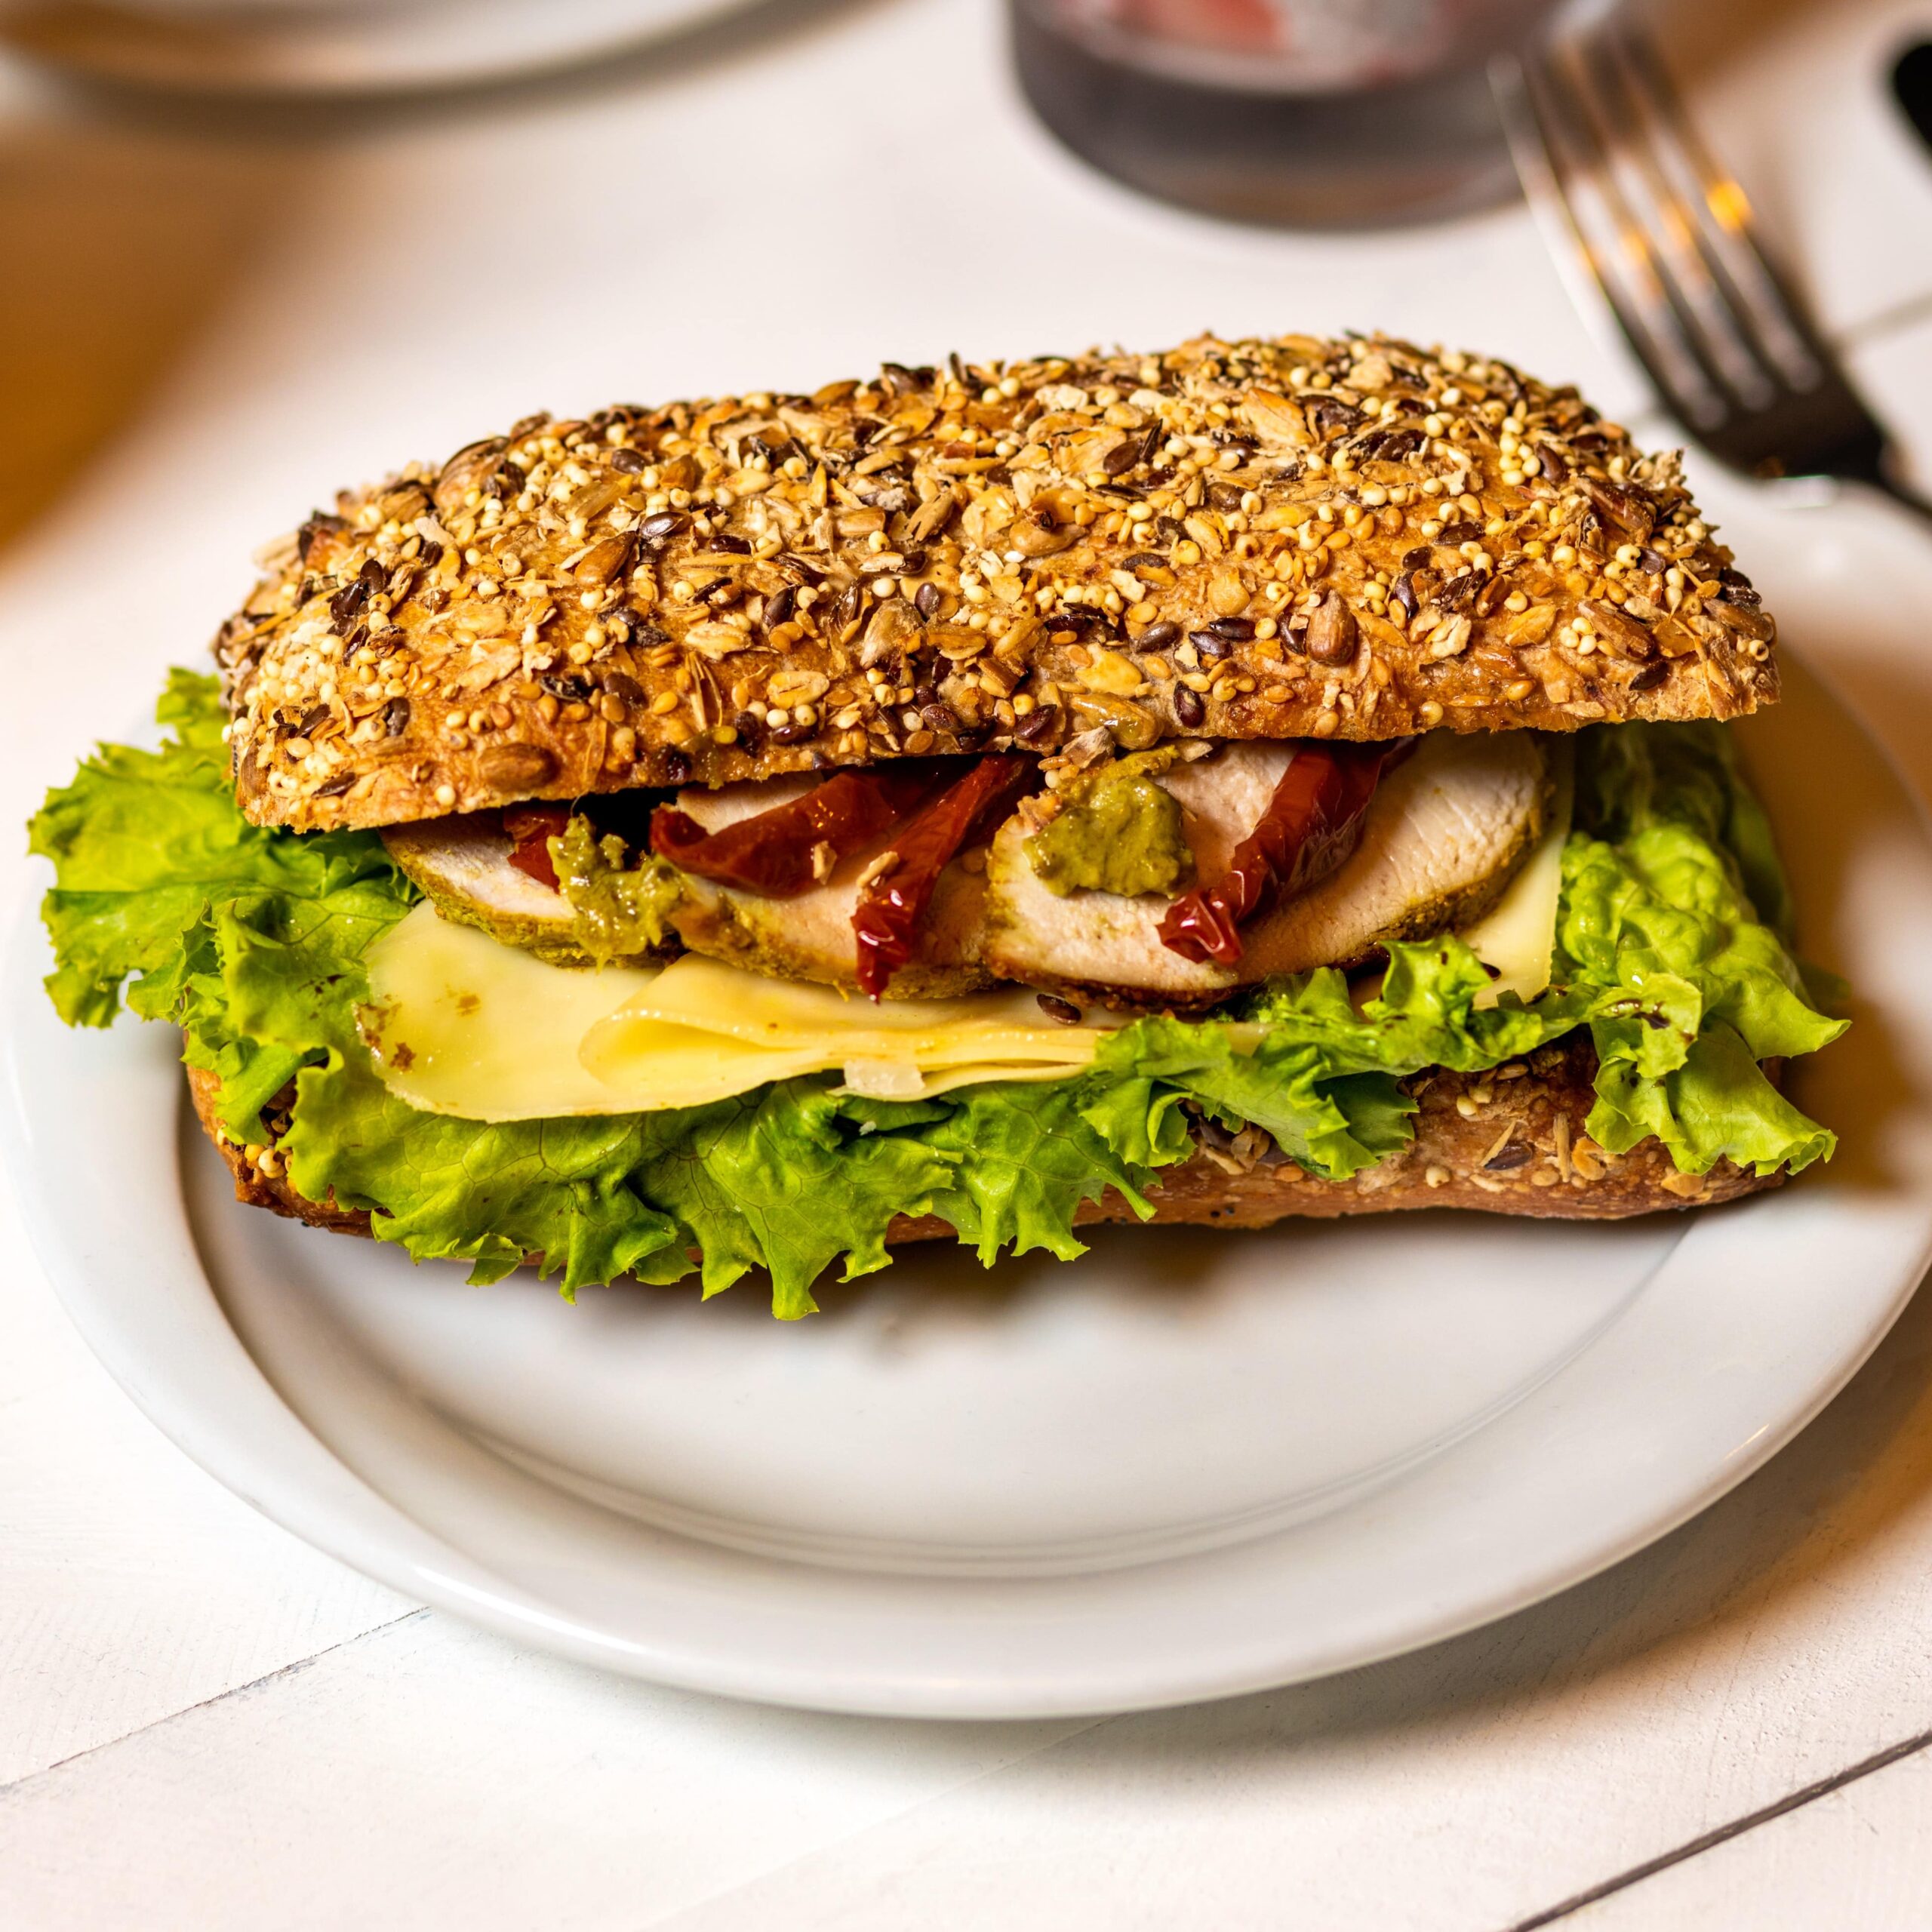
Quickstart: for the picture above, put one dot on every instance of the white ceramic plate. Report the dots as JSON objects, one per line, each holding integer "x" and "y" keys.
{"x": 338, "y": 48}
{"x": 1191, "y": 1464}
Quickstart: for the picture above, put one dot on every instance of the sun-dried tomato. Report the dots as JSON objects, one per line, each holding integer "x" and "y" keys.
{"x": 1311, "y": 824}
{"x": 531, "y": 828}
{"x": 775, "y": 853}
{"x": 885, "y": 924}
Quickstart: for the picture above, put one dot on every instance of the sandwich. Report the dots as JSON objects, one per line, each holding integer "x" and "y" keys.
{"x": 1262, "y": 778}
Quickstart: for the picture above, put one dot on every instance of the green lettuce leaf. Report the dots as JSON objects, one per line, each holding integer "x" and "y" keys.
{"x": 1025, "y": 1156}
{"x": 145, "y": 842}
{"x": 1286, "y": 1084}
{"x": 1672, "y": 908}
{"x": 163, "y": 887}
{"x": 780, "y": 1179}
{"x": 558, "y": 1191}
{"x": 1673, "y": 938}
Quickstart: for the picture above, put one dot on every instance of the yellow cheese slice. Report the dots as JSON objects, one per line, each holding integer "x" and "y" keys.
{"x": 460, "y": 1023}
{"x": 805, "y": 1026}
{"x": 947, "y": 1078}
{"x": 897, "y": 1079}
{"x": 1518, "y": 936}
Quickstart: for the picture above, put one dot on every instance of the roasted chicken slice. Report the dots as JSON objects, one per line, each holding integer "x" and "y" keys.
{"x": 462, "y": 866}
{"x": 1447, "y": 829}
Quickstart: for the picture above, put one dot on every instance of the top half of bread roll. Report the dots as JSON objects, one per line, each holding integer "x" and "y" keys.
{"x": 1354, "y": 539}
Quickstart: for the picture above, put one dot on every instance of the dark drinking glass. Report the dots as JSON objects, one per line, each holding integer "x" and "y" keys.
{"x": 1309, "y": 113}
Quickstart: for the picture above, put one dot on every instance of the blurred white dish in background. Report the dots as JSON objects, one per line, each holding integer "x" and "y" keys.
{"x": 252, "y": 13}
{"x": 334, "y": 48}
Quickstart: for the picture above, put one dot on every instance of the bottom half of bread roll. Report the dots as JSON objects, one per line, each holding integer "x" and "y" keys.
{"x": 1508, "y": 1141}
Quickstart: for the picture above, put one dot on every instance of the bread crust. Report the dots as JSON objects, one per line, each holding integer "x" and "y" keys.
{"x": 1503, "y": 1142}
{"x": 258, "y": 1183}
{"x": 1534, "y": 1121}
{"x": 1298, "y": 537}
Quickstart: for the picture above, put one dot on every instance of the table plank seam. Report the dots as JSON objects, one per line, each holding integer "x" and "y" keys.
{"x": 1719, "y": 1835}
{"x": 676, "y": 1915}
{"x": 293, "y": 1667}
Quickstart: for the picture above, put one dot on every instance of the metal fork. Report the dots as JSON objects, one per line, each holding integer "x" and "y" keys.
{"x": 1616, "y": 172}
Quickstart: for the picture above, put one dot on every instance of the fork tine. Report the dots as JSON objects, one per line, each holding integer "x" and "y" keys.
{"x": 1725, "y": 224}
{"x": 1701, "y": 292}
{"x": 1648, "y": 268}
{"x": 1533, "y": 146}
{"x": 1566, "y": 169}
{"x": 1569, "y": 246}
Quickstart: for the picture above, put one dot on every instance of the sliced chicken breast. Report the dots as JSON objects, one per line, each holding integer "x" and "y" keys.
{"x": 1446, "y": 830}
{"x": 810, "y": 937}
{"x": 462, "y": 866}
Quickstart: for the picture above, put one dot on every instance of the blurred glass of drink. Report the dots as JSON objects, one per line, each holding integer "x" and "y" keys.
{"x": 1309, "y": 113}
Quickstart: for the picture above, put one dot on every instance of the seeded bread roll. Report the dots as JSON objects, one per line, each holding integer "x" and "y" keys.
{"x": 1295, "y": 538}
{"x": 1520, "y": 1148}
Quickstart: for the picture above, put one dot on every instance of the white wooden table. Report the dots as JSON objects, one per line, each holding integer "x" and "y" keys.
{"x": 204, "y": 1725}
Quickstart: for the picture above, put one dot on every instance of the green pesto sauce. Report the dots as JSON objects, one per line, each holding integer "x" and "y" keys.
{"x": 619, "y": 909}
{"x": 1118, "y": 830}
